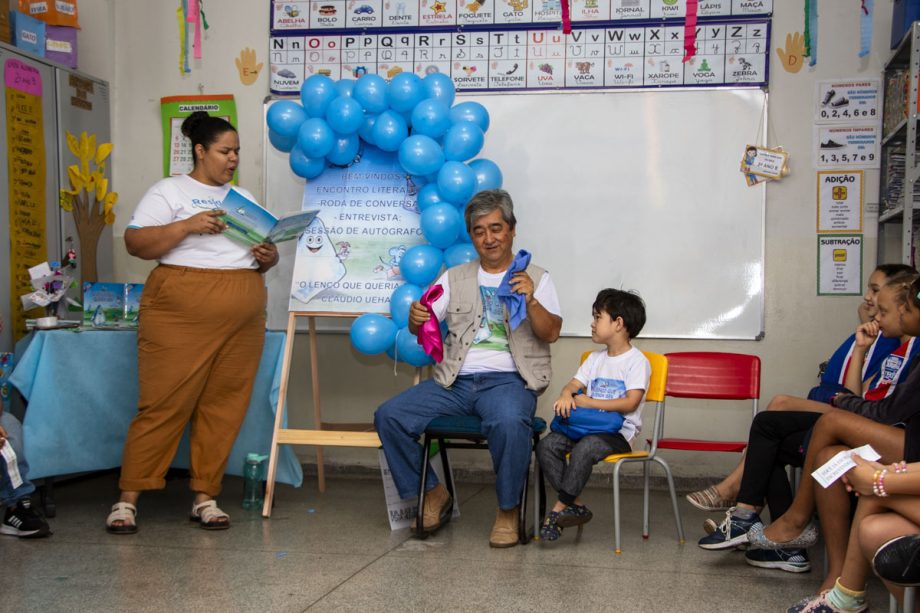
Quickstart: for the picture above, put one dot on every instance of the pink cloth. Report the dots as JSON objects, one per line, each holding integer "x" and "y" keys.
{"x": 429, "y": 335}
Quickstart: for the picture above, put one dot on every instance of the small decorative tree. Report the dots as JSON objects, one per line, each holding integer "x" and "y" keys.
{"x": 88, "y": 198}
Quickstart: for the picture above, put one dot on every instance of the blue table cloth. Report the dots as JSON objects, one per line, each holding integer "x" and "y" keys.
{"x": 82, "y": 393}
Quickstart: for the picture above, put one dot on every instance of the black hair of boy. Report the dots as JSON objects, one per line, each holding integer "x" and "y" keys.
{"x": 620, "y": 303}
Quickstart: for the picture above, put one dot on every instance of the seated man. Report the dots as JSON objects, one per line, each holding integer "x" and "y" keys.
{"x": 496, "y": 362}
{"x": 20, "y": 519}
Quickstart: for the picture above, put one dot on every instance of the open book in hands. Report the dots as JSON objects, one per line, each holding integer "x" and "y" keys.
{"x": 250, "y": 224}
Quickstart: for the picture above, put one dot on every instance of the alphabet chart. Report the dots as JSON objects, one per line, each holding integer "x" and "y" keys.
{"x": 728, "y": 53}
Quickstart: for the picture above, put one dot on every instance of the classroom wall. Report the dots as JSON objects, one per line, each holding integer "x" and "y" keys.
{"x": 134, "y": 44}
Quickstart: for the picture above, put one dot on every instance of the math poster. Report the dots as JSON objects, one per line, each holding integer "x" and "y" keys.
{"x": 348, "y": 259}
{"x": 177, "y": 149}
{"x": 840, "y": 201}
{"x": 840, "y": 265}
{"x": 25, "y": 147}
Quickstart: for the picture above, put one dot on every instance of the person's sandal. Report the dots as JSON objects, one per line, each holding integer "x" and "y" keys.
{"x": 550, "y": 530}
{"x": 210, "y": 516}
{"x": 125, "y": 512}
{"x": 709, "y": 500}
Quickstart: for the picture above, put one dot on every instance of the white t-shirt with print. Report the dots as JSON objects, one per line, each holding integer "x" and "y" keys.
{"x": 608, "y": 378}
{"x": 490, "y": 351}
{"x": 177, "y": 198}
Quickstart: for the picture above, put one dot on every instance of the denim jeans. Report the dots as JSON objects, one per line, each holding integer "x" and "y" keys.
{"x": 569, "y": 475}
{"x": 8, "y": 494}
{"x": 501, "y": 400}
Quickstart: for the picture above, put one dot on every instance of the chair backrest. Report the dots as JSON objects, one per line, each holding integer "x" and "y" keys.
{"x": 722, "y": 376}
{"x": 657, "y": 380}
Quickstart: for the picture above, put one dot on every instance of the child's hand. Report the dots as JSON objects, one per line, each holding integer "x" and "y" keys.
{"x": 564, "y": 405}
{"x": 866, "y": 334}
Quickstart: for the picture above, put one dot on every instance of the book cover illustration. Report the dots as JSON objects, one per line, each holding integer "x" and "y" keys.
{"x": 103, "y": 304}
{"x": 250, "y": 224}
{"x": 133, "y": 293}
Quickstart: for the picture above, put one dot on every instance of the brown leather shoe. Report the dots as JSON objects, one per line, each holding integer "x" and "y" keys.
{"x": 505, "y": 530}
{"x": 438, "y": 508}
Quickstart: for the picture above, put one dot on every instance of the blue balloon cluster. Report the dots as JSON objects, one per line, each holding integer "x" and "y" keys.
{"x": 435, "y": 142}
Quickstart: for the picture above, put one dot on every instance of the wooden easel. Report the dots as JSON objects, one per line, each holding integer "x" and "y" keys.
{"x": 324, "y": 435}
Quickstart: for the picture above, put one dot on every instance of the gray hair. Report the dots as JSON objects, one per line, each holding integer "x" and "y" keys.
{"x": 487, "y": 201}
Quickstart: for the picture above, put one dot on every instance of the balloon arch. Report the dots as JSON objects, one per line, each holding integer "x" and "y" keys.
{"x": 415, "y": 119}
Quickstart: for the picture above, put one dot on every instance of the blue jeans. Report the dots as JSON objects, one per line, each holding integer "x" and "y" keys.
{"x": 8, "y": 494}
{"x": 501, "y": 400}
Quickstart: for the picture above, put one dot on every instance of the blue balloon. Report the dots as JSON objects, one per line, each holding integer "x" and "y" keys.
{"x": 472, "y": 112}
{"x": 371, "y": 92}
{"x": 316, "y": 138}
{"x": 419, "y": 180}
{"x": 463, "y": 141}
{"x": 430, "y": 117}
{"x": 440, "y": 225}
{"x": 461, "y": 253}
{"x": 456, "y": 183}
{"x": 488, "y": 175}
{"x": 441, "y": 87}
{"x": 344, "y": 150}
{"x": 345, "y": 115}
{"x": 402, "y": 298}
{"x": 372, "y": 333}
{"x": 285, "y": 117}
{"x": 316, "y": 93}
{"x": 420, "y": 155}
{"x": 405, "y": 91}
{"x": 464, "y": 236}
{"x": 421, "y": 264}
{"x": 366, "y": 131}
{"x": 389, "y": 131}
{"x": 429, "y": 196}
{"x": 345, "y": 87}
{"x": 304, "y": 166}
{"x": 282, "y": 143}
{"x": 406, "y": 349}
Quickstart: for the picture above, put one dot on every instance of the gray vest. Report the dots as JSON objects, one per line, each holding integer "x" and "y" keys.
{"x": 464, "y": 315}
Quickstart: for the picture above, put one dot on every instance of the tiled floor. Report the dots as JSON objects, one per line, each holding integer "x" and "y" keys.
{"x": 335, "y": 552}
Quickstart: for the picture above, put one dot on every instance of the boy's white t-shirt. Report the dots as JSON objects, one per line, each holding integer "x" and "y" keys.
{"x": 608, "y": 378}
{"x": 177, "y": 198}
{"x": 489, "y": 351}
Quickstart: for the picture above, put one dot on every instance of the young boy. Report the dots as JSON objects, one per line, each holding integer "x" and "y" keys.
{"x": 599, "y": 411}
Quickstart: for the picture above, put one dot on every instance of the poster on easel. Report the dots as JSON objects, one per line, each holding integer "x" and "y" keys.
{"x": 347, "y": 260}
{"x": 177, "y": 149}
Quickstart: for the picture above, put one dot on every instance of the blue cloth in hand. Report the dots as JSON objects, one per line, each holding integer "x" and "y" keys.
{"x": 514, "y": 302}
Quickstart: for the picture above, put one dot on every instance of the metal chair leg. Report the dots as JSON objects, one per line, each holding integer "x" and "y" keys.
{"x": 645, "y": 472}
{"x": 445, "y": 463}
{"x": 892, "y": 604}
{"x": 677, "y": 520}
{"x": 910, "y": 599}
{"x": 616, "y": 506}
{"x": 419, "y": 523}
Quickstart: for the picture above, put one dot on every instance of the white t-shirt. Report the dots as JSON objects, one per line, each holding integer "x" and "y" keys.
{"x": 177, "y": 198}
{"x": 490, "y": 351}
{"x": 607, "y": 378}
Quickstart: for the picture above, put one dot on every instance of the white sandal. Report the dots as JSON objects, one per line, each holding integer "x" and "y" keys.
{"x": 210, "y": 515}
{"x": 125, "y": 512}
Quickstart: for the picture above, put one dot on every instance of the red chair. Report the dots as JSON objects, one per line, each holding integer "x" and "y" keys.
{"x": 711, "y": 376}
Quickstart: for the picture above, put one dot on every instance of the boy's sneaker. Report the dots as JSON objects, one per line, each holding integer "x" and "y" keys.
{"x": 23, "y": 521}
{"x": 550, "y": 530}
{"x": 731, "y": 533}
{"x": 789, "y": 560}
{"x": 574, "y": 515}
{"x": 821, "y": 604}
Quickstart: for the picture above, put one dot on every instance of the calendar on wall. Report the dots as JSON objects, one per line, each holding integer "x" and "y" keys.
{"x": 729, "y": 53}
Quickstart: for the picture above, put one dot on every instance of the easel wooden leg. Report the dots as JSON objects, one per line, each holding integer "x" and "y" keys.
{"x": 317, "y": 412}
{"x": 279, "y": 416}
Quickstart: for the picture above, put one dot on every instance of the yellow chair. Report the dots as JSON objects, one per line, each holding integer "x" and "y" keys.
{"x": 655, "y": 393}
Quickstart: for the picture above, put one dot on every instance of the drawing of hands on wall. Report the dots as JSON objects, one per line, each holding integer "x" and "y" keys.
{"x": 246, "y": 65}
{"x": 792, "y": 57}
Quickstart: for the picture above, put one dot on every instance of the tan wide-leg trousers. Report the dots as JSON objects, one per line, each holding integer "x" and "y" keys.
{"x": 199, "y": 342}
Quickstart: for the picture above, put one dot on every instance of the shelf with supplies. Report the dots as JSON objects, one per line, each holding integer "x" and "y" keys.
{"x": 900, "y": 164}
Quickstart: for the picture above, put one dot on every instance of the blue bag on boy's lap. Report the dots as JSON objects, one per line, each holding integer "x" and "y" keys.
{"x": 581, "y": 422}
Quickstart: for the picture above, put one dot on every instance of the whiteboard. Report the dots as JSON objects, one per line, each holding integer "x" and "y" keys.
{"x": 636, "y": 190}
